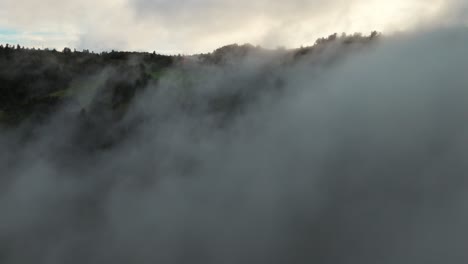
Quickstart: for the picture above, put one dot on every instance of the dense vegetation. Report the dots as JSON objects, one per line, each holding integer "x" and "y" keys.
{"x": 35, "y": 83}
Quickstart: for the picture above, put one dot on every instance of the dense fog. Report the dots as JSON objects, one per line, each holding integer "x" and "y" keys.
{"x": 349, "y": 153}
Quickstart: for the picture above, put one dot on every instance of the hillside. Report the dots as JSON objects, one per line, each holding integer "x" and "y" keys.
{"x": 35, "y": 83}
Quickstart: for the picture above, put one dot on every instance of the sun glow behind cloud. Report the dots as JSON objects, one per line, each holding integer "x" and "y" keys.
{"x": 394, "y": 15}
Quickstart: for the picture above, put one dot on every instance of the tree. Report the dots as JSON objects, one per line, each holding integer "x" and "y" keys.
{"x": 357, "y": 35}
{"x": 332, "y": 37}
{"x": 320, "y": 41}
{"x": 66, "y": 50}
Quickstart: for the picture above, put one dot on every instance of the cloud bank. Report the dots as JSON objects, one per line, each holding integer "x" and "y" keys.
{"x": 361, "y": 160}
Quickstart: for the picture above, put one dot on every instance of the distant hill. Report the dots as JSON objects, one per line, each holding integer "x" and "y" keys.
{"x": 35, "y": 83}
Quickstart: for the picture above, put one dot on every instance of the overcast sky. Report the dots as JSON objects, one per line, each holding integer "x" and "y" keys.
{"x": 191, "y": 26}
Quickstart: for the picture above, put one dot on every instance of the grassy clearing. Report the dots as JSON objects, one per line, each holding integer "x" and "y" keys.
{"x": 60, "y": 93}
{"x": 3, "y": 116}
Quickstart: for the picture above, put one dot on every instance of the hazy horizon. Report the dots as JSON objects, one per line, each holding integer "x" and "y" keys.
{"x": 199, "y": 26}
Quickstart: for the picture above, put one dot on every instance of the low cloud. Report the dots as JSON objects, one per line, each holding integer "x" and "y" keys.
{"x": 360, "y": 159}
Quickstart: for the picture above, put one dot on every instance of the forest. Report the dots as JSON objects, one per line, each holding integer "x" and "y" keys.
{"x": 35, "y": 83}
